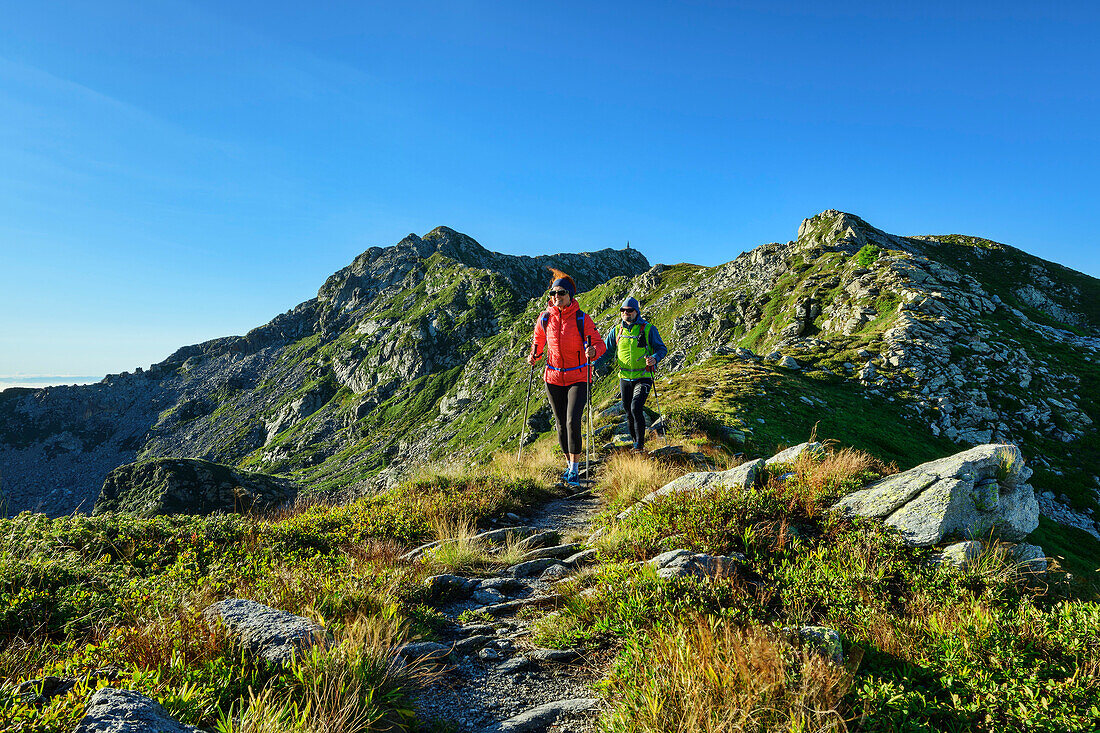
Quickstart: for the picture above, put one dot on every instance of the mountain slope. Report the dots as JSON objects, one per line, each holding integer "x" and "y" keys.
{"x": 414, "y": 352}
{"x": 395, "y": 327}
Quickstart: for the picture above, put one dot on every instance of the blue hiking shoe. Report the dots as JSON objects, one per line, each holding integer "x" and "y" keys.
{"x": 571, "y": 478}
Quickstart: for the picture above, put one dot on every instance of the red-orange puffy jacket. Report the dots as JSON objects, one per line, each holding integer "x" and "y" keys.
{"x": 565, "y": 361}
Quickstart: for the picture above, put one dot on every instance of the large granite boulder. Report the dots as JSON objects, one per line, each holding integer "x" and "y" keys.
{"x": 268, "y": 633}
{"x": 189, "y": 486}
{"x": 979, "y": 493}
{"x": 125, "y": 711}
{"x": 739, "y": 477}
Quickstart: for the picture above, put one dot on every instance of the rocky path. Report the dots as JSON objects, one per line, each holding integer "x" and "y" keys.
{"x": 496, "y": 678}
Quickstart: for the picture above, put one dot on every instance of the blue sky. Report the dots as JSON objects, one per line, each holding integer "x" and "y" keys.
{"x": 176, "y": 171}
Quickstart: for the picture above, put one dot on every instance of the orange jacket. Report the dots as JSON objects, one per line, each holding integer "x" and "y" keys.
{"x": 565, "y": 360}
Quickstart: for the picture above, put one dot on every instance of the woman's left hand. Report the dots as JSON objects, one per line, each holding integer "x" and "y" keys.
{"x": 590, "y": 352}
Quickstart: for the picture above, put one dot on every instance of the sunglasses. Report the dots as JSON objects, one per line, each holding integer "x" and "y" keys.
{"x": 559, "y": 292}
{"x": 626, "y": 310}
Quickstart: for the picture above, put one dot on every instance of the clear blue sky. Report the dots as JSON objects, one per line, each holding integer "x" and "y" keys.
{"x": 177, "y": 171}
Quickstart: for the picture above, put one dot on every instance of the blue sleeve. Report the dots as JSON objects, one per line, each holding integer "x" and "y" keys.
{"x": 610, "y": 342}
{"x": 659, "y": 348}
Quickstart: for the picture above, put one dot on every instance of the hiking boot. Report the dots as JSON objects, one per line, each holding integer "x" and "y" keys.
{"x": 571, "y": 479}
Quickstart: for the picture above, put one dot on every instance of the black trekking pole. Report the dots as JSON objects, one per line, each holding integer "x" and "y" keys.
{"x": 526, "y": 407}
{"x": 657, "y": 400}
{"x": 588, "y": 448}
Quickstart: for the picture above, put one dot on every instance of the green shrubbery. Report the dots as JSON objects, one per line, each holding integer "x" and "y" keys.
{"x": 80, "y": 594}
{"x": 929, "y": 648}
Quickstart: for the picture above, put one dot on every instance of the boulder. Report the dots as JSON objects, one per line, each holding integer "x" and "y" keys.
{"x": 189, "y": 486}
{"x": 961, "y": 555}
{"x": 450, "y": 587}
{"x": 424, "y": 650}
{"x": 684, "y": 563}
{"x": 1029, "y": 558}
{"x": 268, "y": 633}
{"x": 980, "y": 492}
{"x": 554, "y": 572}
{"x": 124, "y": 711}
{"x": 790, "y": 455}
{"x": 822, "y": 639}
{"x": 740, "y": 477}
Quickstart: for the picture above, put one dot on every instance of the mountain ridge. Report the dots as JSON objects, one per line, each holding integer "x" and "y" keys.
{"x": 413, "y": 351}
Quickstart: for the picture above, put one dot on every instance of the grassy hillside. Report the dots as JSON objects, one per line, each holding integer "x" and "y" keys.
{"x": 926, "y": 647}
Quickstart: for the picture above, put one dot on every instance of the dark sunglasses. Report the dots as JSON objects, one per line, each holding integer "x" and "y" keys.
{"x": 559, "y": 292}
{"x": 626, "y": 310}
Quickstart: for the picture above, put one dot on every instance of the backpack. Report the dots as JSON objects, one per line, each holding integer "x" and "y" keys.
{"x": 580, "y": 321}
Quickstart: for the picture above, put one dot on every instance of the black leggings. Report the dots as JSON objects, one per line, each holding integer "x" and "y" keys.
{"x": 568, "y": 404}
{"x": 634, "y": 393}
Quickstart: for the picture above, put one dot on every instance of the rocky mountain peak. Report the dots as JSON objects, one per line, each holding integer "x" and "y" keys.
{"x": 839, "y": 230}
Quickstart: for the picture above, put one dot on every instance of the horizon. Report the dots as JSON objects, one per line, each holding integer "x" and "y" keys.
{"x": 184, "y": 171}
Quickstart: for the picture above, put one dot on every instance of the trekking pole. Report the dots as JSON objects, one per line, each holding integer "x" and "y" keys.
{"x": 657, "y": 400}
{"x": 526, "y": 407}
{"x": 588, "y": 448}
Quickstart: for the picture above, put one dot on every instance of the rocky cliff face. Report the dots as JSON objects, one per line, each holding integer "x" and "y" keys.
{"x": 413, "y": 351}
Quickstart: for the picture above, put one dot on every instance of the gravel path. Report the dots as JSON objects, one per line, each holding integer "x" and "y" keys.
{"x": 495, "y": 678}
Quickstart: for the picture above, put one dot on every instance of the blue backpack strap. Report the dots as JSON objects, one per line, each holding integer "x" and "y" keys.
{"x": 545, "y": 319}
{"x": 580, "y": 323}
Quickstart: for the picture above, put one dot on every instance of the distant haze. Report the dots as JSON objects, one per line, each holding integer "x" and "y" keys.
{"x": 51, "y": 381}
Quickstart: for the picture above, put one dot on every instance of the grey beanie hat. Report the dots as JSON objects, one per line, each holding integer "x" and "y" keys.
{"x": 632, "y": 303}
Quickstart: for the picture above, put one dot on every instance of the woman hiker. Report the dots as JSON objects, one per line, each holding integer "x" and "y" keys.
{"x": 571, "y": 342}
{"x": 637, "y": 348}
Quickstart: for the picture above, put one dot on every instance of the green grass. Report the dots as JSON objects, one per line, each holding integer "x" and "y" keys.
{"x": 929, "y": 648}
{"x": 80, "y": 593}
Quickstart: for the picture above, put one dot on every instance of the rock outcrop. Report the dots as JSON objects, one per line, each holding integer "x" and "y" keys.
{"x": 124, "y": 711}
{"x": 268, "y": 633}
{"x": 978, "y": 493}
{"x": 189, "y": 486}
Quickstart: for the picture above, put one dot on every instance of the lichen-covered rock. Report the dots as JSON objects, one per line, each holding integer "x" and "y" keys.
{"x": 961, "y": 555}
{"x": 125, "y": 711}
{"x": 268, "y": 633}
{"x": 189, "y": 486}
{"x": 790, "y": 455}
{"x": 977, "y": 493}
{"x": 821, "y": 639}
{"x": 738, "y": 477}
{"x": 684, "y": 563}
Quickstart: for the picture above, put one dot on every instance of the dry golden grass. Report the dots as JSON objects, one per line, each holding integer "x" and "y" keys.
{"x": 627, "y": 477}
{"x": 458, "y": 550}
{"x": 818, "y": 481}
{"x": 340, "y": 689}
{"x": 712, "y": 678}
{"x": 541, "y": 461}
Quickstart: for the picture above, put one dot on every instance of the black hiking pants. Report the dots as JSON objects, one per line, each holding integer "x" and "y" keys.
{"x": 634, "y": 393}
{"x": 568, "y": 404}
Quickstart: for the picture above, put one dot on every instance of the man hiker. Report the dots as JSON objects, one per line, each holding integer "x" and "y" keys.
{"x": 571, "y": 343}
{"x": 637, "y": 348}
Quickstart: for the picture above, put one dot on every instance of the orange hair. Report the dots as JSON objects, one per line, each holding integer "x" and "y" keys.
{"x": 556, "y": 274}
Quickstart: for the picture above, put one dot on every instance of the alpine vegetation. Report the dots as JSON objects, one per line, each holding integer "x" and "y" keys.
{"x": 843, "y": 483}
